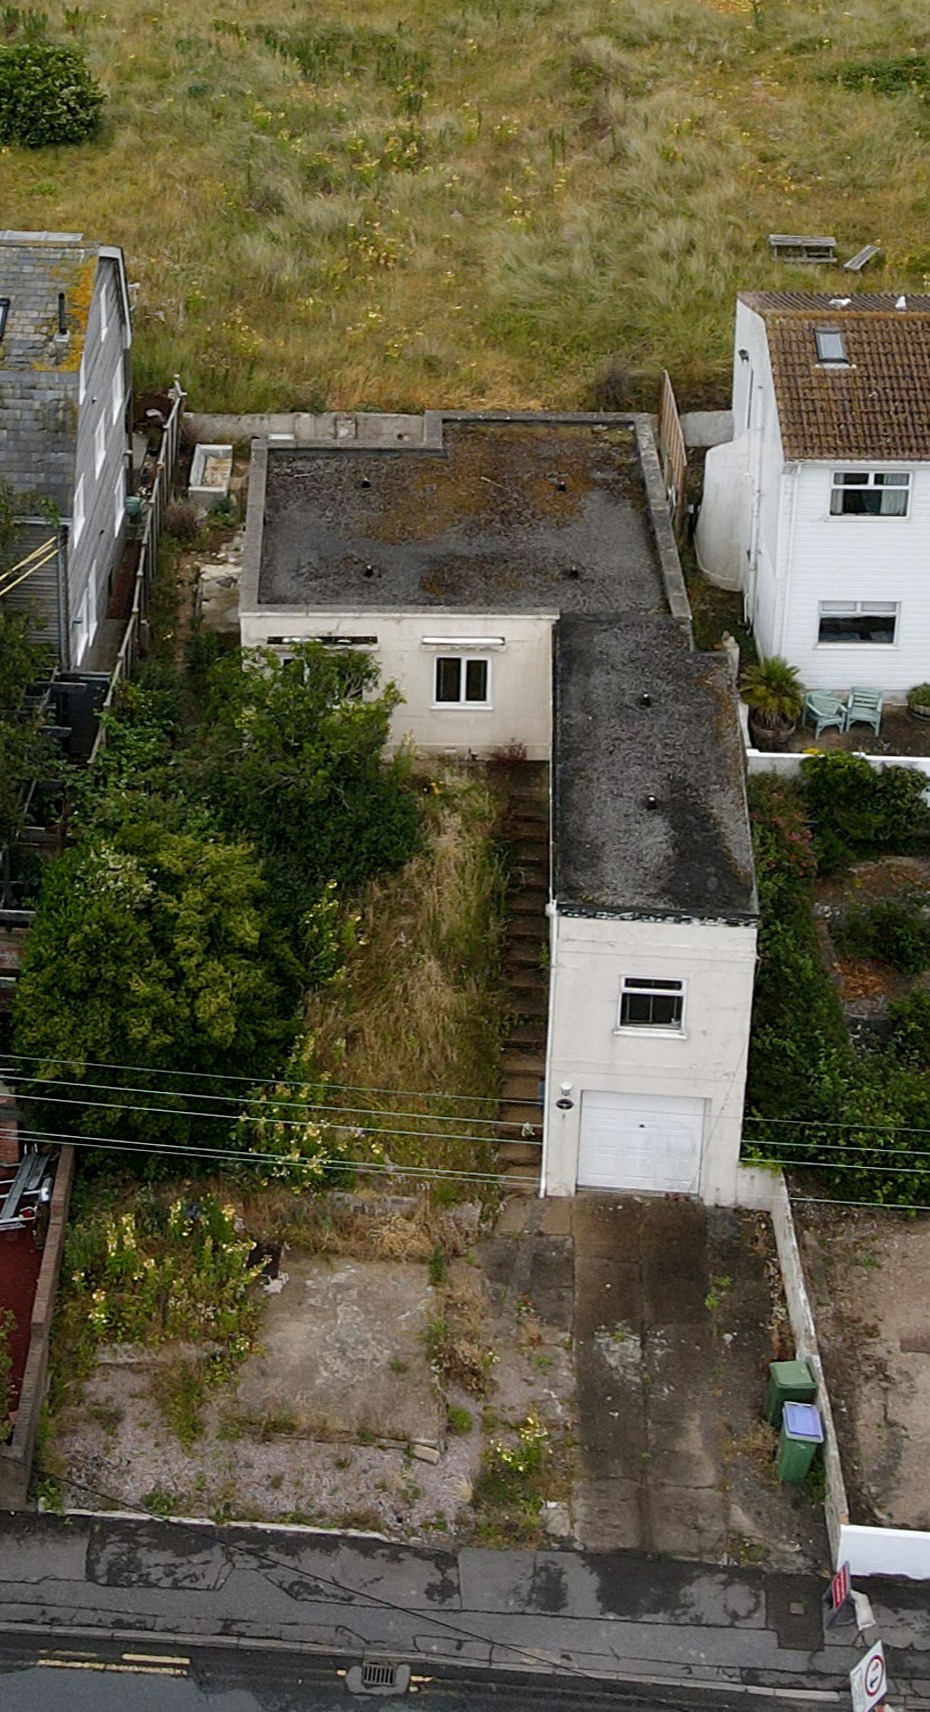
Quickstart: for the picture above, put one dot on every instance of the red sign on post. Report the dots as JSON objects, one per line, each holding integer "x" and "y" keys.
{"x": 839, "y": 1588}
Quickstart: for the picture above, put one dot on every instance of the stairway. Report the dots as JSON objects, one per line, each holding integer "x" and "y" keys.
{"x": 525, "y": 836}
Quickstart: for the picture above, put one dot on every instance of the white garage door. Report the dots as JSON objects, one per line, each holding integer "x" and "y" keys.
{"x": 640, "y": 1141}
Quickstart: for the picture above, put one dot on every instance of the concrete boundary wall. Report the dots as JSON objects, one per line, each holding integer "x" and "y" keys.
{"x": 766, "y": 1191}
{"x": 789, "y": 766}
{"x": 16, "y": 1457}
{"x": 885, "y": 1551}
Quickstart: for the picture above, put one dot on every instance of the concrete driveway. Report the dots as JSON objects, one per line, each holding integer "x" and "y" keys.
{"x": 678, "y": 1312}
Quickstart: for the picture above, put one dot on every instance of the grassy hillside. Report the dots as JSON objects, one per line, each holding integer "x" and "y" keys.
{"x": 379, "y": 203}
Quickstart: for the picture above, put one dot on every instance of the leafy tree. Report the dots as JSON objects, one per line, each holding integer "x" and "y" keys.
{"x": 294, "y": 760}
{"x": 47, "y": 95}
{"x": 153, "y": 948}
{"x": 24, "y": 752}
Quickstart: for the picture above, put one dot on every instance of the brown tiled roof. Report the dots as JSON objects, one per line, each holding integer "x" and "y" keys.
{"x": 877, "y": 407}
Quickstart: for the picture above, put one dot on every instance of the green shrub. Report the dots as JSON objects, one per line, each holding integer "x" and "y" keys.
{"x": 910, "y": 73}
{"x": 47, "y": 96}
{"x": 857, "y": 811}
{"x": 910, "y": 1029}
{"x": 893, "y": 932}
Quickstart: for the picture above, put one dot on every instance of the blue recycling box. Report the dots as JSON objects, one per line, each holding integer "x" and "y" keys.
{"x": 801, "y": 1433}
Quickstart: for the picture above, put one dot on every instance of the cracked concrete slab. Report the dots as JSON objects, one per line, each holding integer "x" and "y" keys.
{"x": 675, "y": 1318}
{"x": 344, "y": 1353}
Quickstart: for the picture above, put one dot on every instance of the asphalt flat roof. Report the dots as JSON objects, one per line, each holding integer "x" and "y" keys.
{"x": 690, "y": 853}
{"x": 507, "y": 517}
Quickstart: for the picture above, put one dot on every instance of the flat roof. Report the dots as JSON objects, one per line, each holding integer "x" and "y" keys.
{"x": 515, "y": 517}
{"x": 649, "y": 798}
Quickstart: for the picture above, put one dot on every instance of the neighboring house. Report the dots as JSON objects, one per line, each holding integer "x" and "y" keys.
{"x": 517, "y": 579}
{"x": 819, "y": 507}
{"x": 65, "y": 413}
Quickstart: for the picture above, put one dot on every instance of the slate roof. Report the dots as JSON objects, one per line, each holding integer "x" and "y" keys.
{"x": 649, "y": 797}
{"x": 34, "y": 268}
{"x": 504, "y": 517}
{"x": 874, "y": 409}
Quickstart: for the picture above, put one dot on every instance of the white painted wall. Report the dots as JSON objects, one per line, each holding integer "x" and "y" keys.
{"x": 859, "y": 559}
{"x": 521, "y": 671}
{"x": 589, "y": 958}
{"x": 765, "y": 526}
{"x": 885, "y": 1551}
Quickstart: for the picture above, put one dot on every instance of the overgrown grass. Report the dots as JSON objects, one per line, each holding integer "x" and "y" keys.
{"x": 395, "y": 205}
{"x": 420, "y": 1014}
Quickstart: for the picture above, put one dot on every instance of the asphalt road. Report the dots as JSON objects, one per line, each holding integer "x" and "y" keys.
{"x": 88, "y": 1677}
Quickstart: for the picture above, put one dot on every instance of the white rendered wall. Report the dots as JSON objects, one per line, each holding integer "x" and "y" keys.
{"x": 520, "y": 671}
{"x": 859, "y": 559}
{"x": 589, "y": 958}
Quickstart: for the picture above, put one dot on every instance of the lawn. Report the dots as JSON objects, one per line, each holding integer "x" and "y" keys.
{"x": 501, "y": 202}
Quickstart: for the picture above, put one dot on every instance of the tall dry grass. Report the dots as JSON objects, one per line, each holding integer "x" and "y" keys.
{"x": 376, "y": 204}
{"x": 421, "y": 1013}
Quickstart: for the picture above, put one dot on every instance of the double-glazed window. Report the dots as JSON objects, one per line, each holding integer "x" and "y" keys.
{"x": 874, "y": 621}
{"x": 462, "y": 680}
{"x": 646, "y": 1002}
{"x": 870, "y": 493}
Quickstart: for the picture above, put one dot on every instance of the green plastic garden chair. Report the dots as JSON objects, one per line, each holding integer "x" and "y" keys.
{"x": 822, "y": 708}
{"x": 864, "y": 707}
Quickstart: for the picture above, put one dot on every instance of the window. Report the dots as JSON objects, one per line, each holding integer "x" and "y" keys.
{"x": 104, "y": 324}
{"x": 830, "y": 346}
{"x": 4, "y": 312}
{"x": 869, "y": 493}
{"x": 119, "y": 503}
{"x": 648, "y": 1003}
{"x": 77, "y": 517}
{"x": 117, "y": 394}
{"x": 874, "y": 621}
{"x": 462, "y": 679}
{"x": 100, "y": 445}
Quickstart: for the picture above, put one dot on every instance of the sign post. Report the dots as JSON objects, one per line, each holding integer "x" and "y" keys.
{"x": 837, "y": 1594}
{"x": 868, "y": 1679}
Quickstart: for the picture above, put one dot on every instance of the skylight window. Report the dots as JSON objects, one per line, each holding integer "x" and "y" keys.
{"x": 831, "y": 347}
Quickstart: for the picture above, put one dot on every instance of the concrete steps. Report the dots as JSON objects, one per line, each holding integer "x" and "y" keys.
{"x": 525, "y": 836}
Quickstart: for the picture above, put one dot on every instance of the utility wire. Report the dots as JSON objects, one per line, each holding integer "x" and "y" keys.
{"x": 168, "y": 1150}
{"x": 216, "y": 1076}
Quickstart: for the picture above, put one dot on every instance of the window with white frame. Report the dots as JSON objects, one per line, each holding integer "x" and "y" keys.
{"x": 117, "y": 394}
{"x": 874, "y": 621}
{"x": 100, "y": 445}
{"x": 119, "y": 502}
{"x": 104, "y": 323}
{"x": 646, "y": 1002}
{"x": 462, "y": 680}
{"x": 77, "y": 514}
{"x": 870, "y": 493}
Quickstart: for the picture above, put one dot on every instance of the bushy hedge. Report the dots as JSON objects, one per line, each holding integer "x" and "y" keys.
{"x": 856, "y": 811}
{"x": 47, "y": 95}
{"x": 842, "y": 1122}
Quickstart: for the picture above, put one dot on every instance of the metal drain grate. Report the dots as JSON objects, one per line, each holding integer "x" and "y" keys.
{"x": 378, "y": 1676}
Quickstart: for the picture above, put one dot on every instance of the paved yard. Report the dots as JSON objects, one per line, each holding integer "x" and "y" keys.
{"x": 868, "y": 1275}
{"x": 678, "y": 1312}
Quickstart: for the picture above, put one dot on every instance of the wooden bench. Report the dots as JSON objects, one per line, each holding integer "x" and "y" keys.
{"x": 861, "y": 258}
{"x": 788, "y": 248}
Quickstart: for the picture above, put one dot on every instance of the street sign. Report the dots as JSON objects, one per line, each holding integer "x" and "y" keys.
{"x": 837, "y": 1593}
{"x": 868, "y": 1679}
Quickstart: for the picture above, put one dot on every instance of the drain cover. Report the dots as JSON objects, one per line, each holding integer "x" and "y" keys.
{"x": 378, "y": 1676}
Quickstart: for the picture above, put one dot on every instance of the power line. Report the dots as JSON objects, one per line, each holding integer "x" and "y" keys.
{"x": 297, "y": 1123}
{"x": 217, "y": 1076}
{"x": 180, "y": 1150}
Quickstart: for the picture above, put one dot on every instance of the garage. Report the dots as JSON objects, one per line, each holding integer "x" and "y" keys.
{"x": 640, "y": 1141}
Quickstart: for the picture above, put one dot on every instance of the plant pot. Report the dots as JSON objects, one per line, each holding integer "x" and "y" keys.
{"x": 771, "y": 738}
{"x": 919, "y": 710}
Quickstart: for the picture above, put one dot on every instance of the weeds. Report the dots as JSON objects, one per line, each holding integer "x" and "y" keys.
{"x": 512, "y": 1485}
{"x": 574, "y": 198}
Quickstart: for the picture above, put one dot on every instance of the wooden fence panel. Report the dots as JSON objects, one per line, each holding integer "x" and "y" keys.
{"x": 673, "y": 456}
